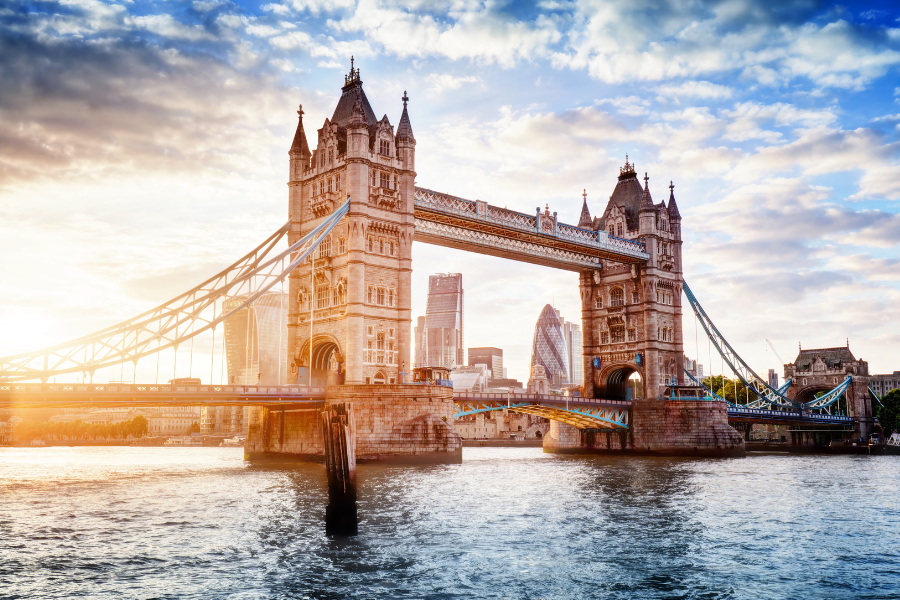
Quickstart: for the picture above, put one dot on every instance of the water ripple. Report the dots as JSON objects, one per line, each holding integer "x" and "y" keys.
{"x": 507, "y": 523}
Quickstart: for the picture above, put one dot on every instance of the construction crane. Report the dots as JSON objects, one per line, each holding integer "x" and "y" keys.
{"x": 772, "y": 346}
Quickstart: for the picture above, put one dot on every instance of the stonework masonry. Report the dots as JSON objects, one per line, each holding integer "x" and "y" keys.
{"x": 392, "y": 423}
{"x": 660, "y": 427}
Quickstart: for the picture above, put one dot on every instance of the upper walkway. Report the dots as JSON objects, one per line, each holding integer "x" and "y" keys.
{"x": 477, "y": 226}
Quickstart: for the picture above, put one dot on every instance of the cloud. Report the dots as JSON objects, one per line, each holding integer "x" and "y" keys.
{"x": 483, "y": 35}
{"x": 167, "y": 26}
{"x": 207, "y": 5}
{"x": 96, "y": 109}
{"x": 278, "y": 9}
{"x": 632, "y": 106}
{"x": 442, "y": 82}
{"x": 696, "y": 89}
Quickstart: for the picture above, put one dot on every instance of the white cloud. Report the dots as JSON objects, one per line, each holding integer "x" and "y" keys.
{"x": 168, "y": 26}
{"x": 278, "y": 9}
{"x": 441, "y": 82}
{"x": 695, "y": 89}
{"x": 206, "y": 5}
{"x": 474, "y": 34}
{"x": 632, "y": 106}
{"x": 262, "y": 30}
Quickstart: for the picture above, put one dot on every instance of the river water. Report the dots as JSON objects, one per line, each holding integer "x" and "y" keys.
{"x": 108, "y": 522}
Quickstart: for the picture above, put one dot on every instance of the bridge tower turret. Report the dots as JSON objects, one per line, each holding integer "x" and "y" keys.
{"x": 631, "y": 314}
{"x": 350, "y": 305}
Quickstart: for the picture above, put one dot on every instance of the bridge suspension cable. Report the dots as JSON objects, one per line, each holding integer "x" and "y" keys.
{"x": 179, "y": 319}
{"x": 767, "y": 395}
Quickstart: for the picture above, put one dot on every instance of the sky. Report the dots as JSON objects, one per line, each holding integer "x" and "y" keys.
{"x": 143, "y": 147}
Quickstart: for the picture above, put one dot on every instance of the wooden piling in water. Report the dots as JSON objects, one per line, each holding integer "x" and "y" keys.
{"x": 338, "y": 435}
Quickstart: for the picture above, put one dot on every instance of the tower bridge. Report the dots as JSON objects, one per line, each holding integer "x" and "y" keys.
{"x": 354, "y": 211}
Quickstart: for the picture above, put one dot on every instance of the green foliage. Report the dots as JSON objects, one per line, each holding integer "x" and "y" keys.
{"x": 79, "y": 430}
{"x": 889, "y": 411}
{"x": 732, "y": 390}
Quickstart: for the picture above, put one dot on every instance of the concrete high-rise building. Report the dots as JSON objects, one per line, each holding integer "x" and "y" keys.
{"x": 420, "y": 342}
{"x": 773, "y": 379}
{"x": 572, "y": 334}
{"x": 492, "y": 357}
{"x": 444, "y": 321}
{"x": 256, "y": 351}
{"x": 882, "y": 384}
{"x": 549, "y": 347}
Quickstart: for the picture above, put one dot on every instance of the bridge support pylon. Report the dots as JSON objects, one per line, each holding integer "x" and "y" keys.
{"x": 392, "y": 423}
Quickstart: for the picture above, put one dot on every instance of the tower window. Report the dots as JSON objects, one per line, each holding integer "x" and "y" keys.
{"x": 385, "y": 148}
{"x": 617, "y": 297}
{"x": 390, "y": 297}
{"x": 322, "y": 158}
{"x": 380, "y": 297}
{"x": 342, "y": 245}
{"x": 329, "y": 184}
{"x": 337, "y": 182}
{"x": 631, "y": 335}
{"x": 598, "y": 302}
{"x": 322, "y": 295}
{"x": 619, "y": 229}
{"x": 612, "y": 230}
{"x": 635, "y": 298}
{"x": 385, "y": 180}
{"x": 617, "y": 333}
{"x": 391, "y": 248}
{"x": 381, "y": 246}
{"x": 370, "y": 244}
{"x": 330, "y": 155}
{"x": 372, "y": 183}
{"x": 604, "y": 337}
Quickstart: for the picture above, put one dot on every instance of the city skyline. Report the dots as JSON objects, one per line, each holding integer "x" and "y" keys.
{"x": 784, "y": 162}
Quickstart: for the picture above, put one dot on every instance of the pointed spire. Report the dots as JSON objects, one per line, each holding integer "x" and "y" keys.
{"x": 585, "y": 220}
{"x": 646, "y": 199}
{"x": 673, "y": 208}
{"x": 404, "y": 128}
{"x": 299, "y": 144}
{"x": 358, "y": 114}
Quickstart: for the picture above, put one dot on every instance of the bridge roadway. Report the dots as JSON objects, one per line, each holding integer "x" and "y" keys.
{"x": 583, "y": 413}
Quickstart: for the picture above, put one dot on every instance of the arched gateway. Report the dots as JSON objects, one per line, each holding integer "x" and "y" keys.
{"x": 353, "y": 293}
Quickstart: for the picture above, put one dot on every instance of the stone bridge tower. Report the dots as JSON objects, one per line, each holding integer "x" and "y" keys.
{"x": 823, "y": 369}
{"x": 349, "y": 313}
{"x": 631, "y": 315}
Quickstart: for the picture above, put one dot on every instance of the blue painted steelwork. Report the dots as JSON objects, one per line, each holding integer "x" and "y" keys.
{"x": 875, "y": 396}
{"x": 578, "y": 412}
{"x": 787, "y": 415}
{"x": 712, "y": 394}
{"x": 766, "y": 394}
{"x": 826, "y": 400}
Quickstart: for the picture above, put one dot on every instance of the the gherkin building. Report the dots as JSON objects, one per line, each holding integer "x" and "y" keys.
{"x": 549, "y": 347}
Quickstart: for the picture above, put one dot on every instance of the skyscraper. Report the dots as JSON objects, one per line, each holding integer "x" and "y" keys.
{"x": 549, "y": 347}
{"x": 572, "y": 335}
{"x": 492, "y": 357}
{"x": 444, "y": 321}
{"x": 256, "y": 349}
{"x": 420, "y": 341}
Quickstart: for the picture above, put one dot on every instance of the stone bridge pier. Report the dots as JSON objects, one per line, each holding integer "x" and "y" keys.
{"x": 392, "y": 423}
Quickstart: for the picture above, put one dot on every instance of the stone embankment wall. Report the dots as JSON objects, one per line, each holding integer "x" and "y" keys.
{"x": 392, "y": 423}
{"x": 666, "y": 427}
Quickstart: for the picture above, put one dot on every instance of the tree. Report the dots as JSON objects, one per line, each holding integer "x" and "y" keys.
{"x": 195, "y": 427}
{"x": 889, "y": 412}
